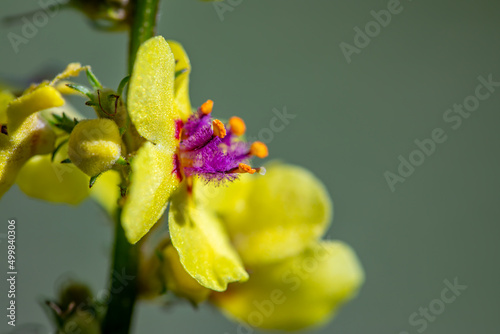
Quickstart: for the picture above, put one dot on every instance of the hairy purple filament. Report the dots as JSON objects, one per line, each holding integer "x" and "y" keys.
{"x": 203, "y": 153}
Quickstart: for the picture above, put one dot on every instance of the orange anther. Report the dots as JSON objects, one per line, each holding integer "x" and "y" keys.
{"x": 259, "y": 149}
{"x": 207, "y": 107}
{"x": 219, "y": 129}
{"x": 244, "y": 168}
{"x": 237, "y": 125}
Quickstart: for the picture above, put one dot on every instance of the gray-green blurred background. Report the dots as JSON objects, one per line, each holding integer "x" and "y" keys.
{"x": 352, "y": 122}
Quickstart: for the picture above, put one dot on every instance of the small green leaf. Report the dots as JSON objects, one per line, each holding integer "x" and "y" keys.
{"x": 93, "y": 179}
{"x": 93, "y": 79}
{"x": 64, "y": 122}
{"x": 81, "y": 89}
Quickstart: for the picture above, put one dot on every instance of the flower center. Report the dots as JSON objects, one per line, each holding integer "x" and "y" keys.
{"x": 214, "y": 151}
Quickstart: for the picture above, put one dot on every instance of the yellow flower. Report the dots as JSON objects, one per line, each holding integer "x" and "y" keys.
{"x": 27, "y": 143}
{"x": 25, "y": 134}
{"x": 275, "y": 222}
{"x": 181, "y": 145}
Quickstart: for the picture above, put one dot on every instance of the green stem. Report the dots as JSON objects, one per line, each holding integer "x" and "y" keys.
{"x": 123, "y": 283}
{"x": 124, "y": 272}
{"x": 142, "y": 27}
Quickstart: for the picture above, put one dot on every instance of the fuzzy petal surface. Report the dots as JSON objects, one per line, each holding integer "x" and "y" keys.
{"x": 151, "y": 108}
{"x": 203, "y": 245}
{"x": 151, "y": 92}
{"x": 152, "y": 182}
{"x": 181, "y": 84}
{"x": 5, "y": 98}
{"x": 39, "y": 99}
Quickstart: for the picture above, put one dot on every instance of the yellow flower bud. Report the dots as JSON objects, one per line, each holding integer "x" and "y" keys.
{"x": 95, "y": 145}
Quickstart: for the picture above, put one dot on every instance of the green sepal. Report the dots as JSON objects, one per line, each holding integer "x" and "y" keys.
{"x": 177, "y": 73}
{"x": 93, "y": 179}
{"x": 64, "y": 123}
{"x": 81, "y": 89}
{"x": 93, "y": 79}
{"x": 122, "y": 161}
{"x": 122, "y": 84}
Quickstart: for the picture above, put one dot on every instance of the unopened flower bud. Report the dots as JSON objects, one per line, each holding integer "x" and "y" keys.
{"x": 164, "y": 271}
{"x": 81, "y": 322}
{"x": 74, "y": 293}
{"x": 95, "y": 145}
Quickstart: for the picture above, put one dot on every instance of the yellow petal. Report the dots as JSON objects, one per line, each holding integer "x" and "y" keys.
{"x": 106, "y": 191}
{"x": 274, "y": 216}
{"x": 52, "y": 181}
{"x": 72, "y": 70}
{"x": 151, "y": 92}
{"x": 5, "y": 98}
{"x": 203, "y": 246}
{"x": 62, "y": 87}
{"x": 298, "y": 292}
{"x": 179, "y": 281}
{"x": 181, "y": 84}
{"x": 33, "y": 136}
{"x": 37, "y": 100}
{"x": 152, "y": 182}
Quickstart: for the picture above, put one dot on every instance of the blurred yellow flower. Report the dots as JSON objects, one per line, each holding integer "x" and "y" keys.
{"x": 27, "y": 142}
{"x": 275, "y": 222}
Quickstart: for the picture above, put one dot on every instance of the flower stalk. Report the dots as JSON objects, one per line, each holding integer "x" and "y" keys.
{"x": 123, "y": 295}
{"x": 142, "y": 26}
{"x": 122, "y": 292}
